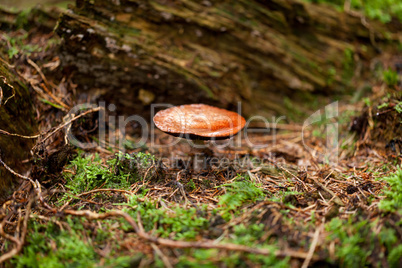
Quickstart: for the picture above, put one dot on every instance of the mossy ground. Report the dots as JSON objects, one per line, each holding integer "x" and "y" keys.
{"x": 351, "y": 212}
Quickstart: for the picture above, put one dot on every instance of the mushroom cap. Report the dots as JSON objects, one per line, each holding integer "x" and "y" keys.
{"x": 199, "y": 121}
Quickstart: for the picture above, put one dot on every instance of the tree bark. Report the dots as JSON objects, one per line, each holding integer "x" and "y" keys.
{"x": 273, "y": 56}
{"x": 16, "y": 117}
{"x": 17, "y": 112}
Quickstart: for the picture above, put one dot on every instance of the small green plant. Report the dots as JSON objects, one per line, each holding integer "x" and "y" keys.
{"x": 190, "y": 185}
{"x": 238, "y": 193}
{"x": 250, "y": 235}
{"x": 357, "y": 244}
{"x": 394, "y": 257}
{"x": 200, "y": 258}
{"x": 23, "y": 18}
{"x": 318, "y": 133}
{"x": 17, "y": 46}
{"x": 383, "y": 105}
{"x": 138, "y": 164}
{"x": 348, "y": 64}
{"x": 176, "y": 222}
{"x": 247, "y": 234}
{"x": 393, "y": 200}
{"x": 382, "y": 10}
{"x": 352, "y": 237}
{"x": 331, "y": 75}
{"x": 398, "y": 107}
{"x": 244, "y": 235}
{"x": 390, "y": 77}
{"x": 293, "y": 111}
{"x": 49, "y": 246}
{"x": 367, "y": 102}
{"x": 69, "y": 249}
{"x": 120, "y": 172}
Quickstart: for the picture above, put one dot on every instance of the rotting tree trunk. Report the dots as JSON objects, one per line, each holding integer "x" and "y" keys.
{"x": 16, "y": 117}
{"x": 17, "y": 112}
{"x": 273, "y": 56}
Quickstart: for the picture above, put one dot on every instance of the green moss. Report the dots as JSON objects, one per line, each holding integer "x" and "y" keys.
{"x": 120, "y": 172}
{"x": 393, "y": 200}
{"x": 190, "y": 185}
{"x": 382, "y": 10}
{"x": 244, "y": 235}
{"x": 357, "y": 241}
{"x": 49, "y": 246}
{"x": 348, "y": 65}
{"x": 390, "y": 77}
{"x": 238, "y": 193}
{"x": 16, "y": 116}
{"x": 331, "y": 74}
{"x": 20, "y": 47}
{"x": 176, "y": 222}
{"x": 293, "y": 112}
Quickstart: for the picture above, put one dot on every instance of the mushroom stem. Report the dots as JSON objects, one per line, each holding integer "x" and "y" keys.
{"x": 199, "y": 142}
{"x": 202, "y": 151}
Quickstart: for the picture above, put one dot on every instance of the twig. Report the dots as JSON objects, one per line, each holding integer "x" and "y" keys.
{"x": 15, "y": 173}
{"x": 18, "y": 135}
{"x": 35, "y": 184}
{"x": 209, "y": 244}
{"x": 337, "y": 200}
{"x": 18, "y": 242}
{"x": 312, "y": 247}
{"x": 269, "y": 126}
{"x": 1, "y": 91}
{"x": 44, "y": 218}
{"x": 6, "y": 63}
{"x": 294, "y": 176}
{"x": 46, "y": 84}
{"x": 273, "y": 138}
{"x": 105, "y": 190}
{"x": 70, "y": 121}
{"x": 55, "y": 130}
{"x": 158, "y": 252}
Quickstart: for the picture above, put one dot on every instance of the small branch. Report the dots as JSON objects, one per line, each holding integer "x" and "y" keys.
{"x": 55, "y": 130}
{"x": 35, "y": 184}
{"x": 164, "y": 259}
{"x": 18, "y": 242}
{"x": 312, "y": 247}
{"x": 46, "y": 84}
{"x": 105, "y": 190}
{"x": 1, "y": 91}
{"x": 293, "y": 175}
{"x": 336, "y": 199}
{"x": 18, "y": 135}
{"x": 209, "y": 244}
{"x": 70, "y": 121}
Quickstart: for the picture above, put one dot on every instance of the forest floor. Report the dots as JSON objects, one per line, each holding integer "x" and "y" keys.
{"x": 293, "y": 203}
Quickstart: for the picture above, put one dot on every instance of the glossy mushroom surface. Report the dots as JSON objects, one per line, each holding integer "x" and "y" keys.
{"x": 199, "y": 121}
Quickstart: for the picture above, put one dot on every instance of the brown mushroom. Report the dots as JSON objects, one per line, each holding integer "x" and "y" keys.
{"x": 199, "y": 122}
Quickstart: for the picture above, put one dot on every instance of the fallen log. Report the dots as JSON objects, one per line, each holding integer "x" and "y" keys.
{"x": 276, "y": 57}
{"x": 17, "y": 112}
{"x": 16, "y": 122}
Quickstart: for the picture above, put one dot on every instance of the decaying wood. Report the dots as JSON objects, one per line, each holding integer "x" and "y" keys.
{"x": 16, "y": 117}
{"x": 270, "y": 55}
{"x": 38, "y": 17}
